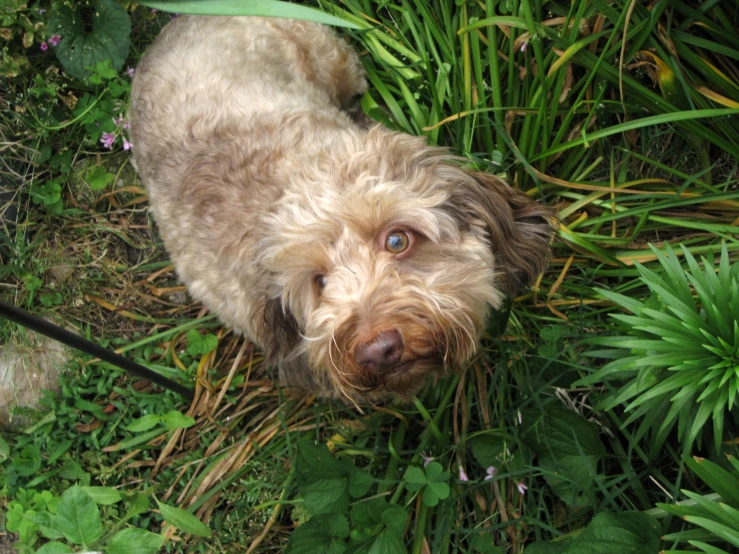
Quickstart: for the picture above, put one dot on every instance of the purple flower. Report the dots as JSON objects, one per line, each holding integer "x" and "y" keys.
{"x": 127, "y": 145}
{"x": 462, "y": 475}
{"x": 44, "y": 46}
{"x": 126, "y": 124}
{"x": 118, "y": 121}
{"x": 130, "y": 71}
{"x": 55, "y": 40}
{"x": 108, "y": 140}
{"x": 524, "y": 44}
{"x": 426, "y": 459}
{"x": 491, "y": 471}
{"x": 521, "y": 488}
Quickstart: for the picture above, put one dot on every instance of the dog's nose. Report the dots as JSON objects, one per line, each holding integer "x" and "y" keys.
{"x": 380, "y": 354}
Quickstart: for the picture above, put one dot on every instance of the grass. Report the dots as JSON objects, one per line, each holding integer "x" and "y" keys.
{"x": 635, "y": 141}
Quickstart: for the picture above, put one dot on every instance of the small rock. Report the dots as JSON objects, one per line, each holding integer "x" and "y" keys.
{"x": 24, "y": 371}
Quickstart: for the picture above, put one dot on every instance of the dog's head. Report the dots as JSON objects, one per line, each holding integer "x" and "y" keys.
{"x": 388, "y": 256}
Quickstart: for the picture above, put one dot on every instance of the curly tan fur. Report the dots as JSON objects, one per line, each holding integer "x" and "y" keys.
{"x": 261, "y": 180}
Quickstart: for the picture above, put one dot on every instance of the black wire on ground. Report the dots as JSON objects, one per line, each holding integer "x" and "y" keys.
{"x": 35, "y": 323}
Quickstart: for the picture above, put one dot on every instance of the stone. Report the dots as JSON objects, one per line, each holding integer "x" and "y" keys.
{"x": 25, "y": 370}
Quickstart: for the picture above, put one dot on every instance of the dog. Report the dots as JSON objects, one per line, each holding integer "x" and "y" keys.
{"x": 360, "y": 260}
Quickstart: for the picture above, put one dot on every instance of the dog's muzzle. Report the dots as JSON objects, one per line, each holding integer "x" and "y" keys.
{"x": 381, "y": 355}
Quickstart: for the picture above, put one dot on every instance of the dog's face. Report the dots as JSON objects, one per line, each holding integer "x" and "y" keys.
{"x": 388, "y": 259}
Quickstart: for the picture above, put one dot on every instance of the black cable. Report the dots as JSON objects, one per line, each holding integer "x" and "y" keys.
{"x": 35, "y": 323}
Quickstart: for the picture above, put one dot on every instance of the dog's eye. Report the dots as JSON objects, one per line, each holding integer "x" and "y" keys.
{"x": 320, "y": 281}
{"x": 397, "y": 242}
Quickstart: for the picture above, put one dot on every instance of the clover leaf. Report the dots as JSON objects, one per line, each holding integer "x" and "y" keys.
{"x": 199, "y": 344}
{"x": 431, "y": 482}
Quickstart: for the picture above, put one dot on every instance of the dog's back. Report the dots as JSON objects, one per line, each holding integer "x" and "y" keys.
{"x": 203, "y": 72}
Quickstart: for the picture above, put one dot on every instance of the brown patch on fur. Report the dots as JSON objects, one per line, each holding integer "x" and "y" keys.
{"x": 519, "y": 228}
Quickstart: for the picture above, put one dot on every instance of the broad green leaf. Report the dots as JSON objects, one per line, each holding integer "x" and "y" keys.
{"x": 98, "y": 177}
{"x": 326, "y": 496}
{"x": 395, "y": 517}
{"x": 622, "y": 533}
{"x": 85, "y": 45}
{"x": 103, "y": 496}
{"x": 322, "y": 534}
{"x": 559, "y": 547}
{"x": 561, "y": 431}
{"x": 487, "y": 449}
{"x": 144, "y": 423}
{"x": 369, "y": 512}
{"x": 78, "y": 517}
{"x": 54, "y": 548}
{"x": 198, "y": 344}
{"x": 387, "y": 542}
{"x": 134, "y": 541}
{"x": 315, "y": 462}
{"x": 261, "y": 8}
{"x": 572, "y": 478}
{"x": 359, "y": 483}
{"x": 177, "y": 420}
{"x": 136, "y": 440}
{"x": 183, "y": 520}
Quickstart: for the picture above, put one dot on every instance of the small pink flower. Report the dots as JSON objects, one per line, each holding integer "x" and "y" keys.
{"x": 521, "y": 488}
{"x": 126, "y": 124}
{"x": 154, "y": 10}
{"x": 107, "y": 140}
{"x": 118, "y": 121}
{"x": 55, "y": 40}
{"x": 462, "y": 475}
{"x": 491, "y": 471}
{"x": 426, "y": 459}
{"x": 44, "y": 46}
{"x": 524, "y": 44}
{"x": 127, "y": 145}
{"x": 130, "y": 71}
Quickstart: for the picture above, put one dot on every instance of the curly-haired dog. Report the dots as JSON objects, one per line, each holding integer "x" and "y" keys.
{"x": 360, "y": 259}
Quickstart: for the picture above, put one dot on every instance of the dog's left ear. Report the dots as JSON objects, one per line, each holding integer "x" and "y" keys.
{"x": 518, "y": 228}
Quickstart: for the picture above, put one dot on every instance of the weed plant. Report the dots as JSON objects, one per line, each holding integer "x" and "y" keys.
{"x": 623, "y": 115}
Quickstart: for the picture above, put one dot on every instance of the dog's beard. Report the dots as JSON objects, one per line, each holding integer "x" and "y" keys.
{"x": 437, "y": 339}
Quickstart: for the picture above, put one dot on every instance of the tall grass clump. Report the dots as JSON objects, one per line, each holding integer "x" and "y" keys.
{"x": 676, "y": 359}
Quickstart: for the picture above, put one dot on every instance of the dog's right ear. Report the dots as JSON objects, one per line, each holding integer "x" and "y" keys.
{"x": 518, "y": 228}
{"x": 280, "y": 332}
